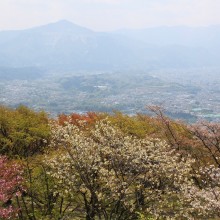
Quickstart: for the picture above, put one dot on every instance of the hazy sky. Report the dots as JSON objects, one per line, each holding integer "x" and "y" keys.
{"x": 107, "y": 15}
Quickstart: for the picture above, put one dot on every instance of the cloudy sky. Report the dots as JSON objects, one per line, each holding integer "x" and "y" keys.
{"x": 107, "y": 15}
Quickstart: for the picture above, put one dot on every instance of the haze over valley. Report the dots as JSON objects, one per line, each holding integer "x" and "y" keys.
{"x": 63, "y": 67}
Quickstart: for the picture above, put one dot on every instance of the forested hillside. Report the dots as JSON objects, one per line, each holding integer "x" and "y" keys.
{"x": 107, "y": 166}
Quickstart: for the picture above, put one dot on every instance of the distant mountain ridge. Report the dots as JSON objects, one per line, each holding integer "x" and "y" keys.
{"x": 63, "y": 25}
{"x": 64, "y": 46}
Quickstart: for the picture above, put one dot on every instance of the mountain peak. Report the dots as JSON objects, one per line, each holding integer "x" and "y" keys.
{"x": 64, "y": 26}
{"x": 63, "y": 23}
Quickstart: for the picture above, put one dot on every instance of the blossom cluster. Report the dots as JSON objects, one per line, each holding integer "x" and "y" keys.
{"x": 10, "y": 186}
{"x": 112, "y": 174}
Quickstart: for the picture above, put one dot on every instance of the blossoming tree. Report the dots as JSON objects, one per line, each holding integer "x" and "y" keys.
{"x": 10, "y": 187}
{"x": 111, "y": 175}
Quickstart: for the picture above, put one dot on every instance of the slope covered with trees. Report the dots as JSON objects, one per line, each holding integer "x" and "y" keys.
{"x": 107, "y": 166}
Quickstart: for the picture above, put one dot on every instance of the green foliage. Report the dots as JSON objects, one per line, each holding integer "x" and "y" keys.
{"x": 23, "y": 132}
{"x": 138, "y": 125}
{"x": 40, "y": 201}
{"x": 142, "y": 216}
